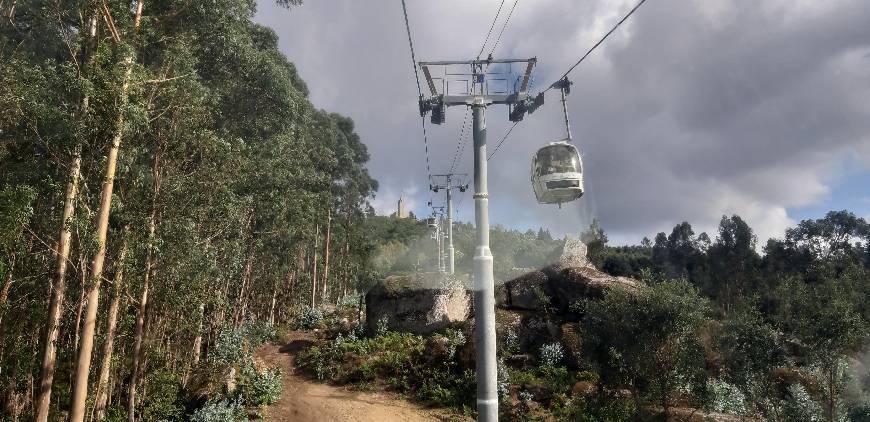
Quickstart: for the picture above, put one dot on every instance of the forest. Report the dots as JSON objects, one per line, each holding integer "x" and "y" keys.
{"x": 163, "y": 179}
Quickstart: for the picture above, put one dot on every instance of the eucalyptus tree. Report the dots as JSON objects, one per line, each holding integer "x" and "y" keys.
{"x": 226, "y": 171}
{"x": 80, "y": 390}
{"x": 47, "y": 50}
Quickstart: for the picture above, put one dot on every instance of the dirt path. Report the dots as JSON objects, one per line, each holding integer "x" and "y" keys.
{"x": 304, "y": 400}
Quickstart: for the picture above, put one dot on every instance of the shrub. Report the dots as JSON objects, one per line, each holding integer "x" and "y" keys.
{"x": 382, "y": 327}
{"x": 310, "y": 318}
{"x": 350, "y": 301}
{"x": 800, "y": 406}
{"x": 220, "y": 411}
{"x": 727, "y": 398}
{"x": 511, "y": 341}
{"x": 503, "y": 379}
{"x": 552, "y": 354}
{"x": 401, "y": 360}
{"x": 454, "y": 339}
{"x": 258, "y": 332}
{"x": 228, "y": 348}
{"x": 260, "y": 387}
{"x": 442, "y": 387}
{"x": 579, "y": 409}
{"x": 162, "y": 403}
{"x": 234, "y": 343}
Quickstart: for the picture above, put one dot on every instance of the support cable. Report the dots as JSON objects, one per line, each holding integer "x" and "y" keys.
{"x": 490, "y": 29}
{"x": 419, "y": 90}
{"x": 506, "y": 21}
{"x": 460, "y": 145}
{"x": 464, "y": 143}
{"x": 503, "y": 138}
{"x": 624, "y": 18}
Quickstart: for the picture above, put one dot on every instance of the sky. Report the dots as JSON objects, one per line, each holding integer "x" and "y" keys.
{"x": 691, "y": 110}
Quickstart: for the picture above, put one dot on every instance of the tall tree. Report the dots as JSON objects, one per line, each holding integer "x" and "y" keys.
{"x": 83, "y": 365}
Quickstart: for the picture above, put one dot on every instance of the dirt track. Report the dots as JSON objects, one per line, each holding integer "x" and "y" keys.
{"x": 304, "y": 400}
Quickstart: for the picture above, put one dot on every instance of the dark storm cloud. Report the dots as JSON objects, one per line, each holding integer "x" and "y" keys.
{"x": 693, "y": 109}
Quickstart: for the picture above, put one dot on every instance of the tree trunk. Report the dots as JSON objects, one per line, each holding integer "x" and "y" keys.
{"x": 238, "y": 313}
{"x": 291, "y": 289}
{"x": 83, "y": 281}
{"x": 314, "y": 271}
{"x": 197, "y": 342}
{"x": 832, "y": 391}
{"x": 108, "y": 347}
{"x": 83, "y": 367}
{"x": 143, "y": 359}
{"x": 274, "y": 302}
{"x": 346, "y": 278}
{"x": 144, "y": 300}
{"x": 325, "y": 296}
{"x": 4, "y": 294}
{"x": 55, "y": 306}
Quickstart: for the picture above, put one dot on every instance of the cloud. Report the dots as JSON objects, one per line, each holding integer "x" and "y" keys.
{"x": 690, "y": 111}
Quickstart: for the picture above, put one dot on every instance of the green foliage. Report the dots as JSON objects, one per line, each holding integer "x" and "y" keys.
{"x": 647, "y": 341}
{"x": 310, "y": 318}
{"x": 260, "y": 388}
{"x": 233, "y": 344}
{"x": 727, "y": 399}
{"x": 401, "y": 360}
{"x": 750, "y": 349}
{"x": 16, "y": 209}
{"x": 162, "y": 403}
{"x": 222, "y": 155}
{"x": 595, "y": 409}
{"x": 224, "y": 410}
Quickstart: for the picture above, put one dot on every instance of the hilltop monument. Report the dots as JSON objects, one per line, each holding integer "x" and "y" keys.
{"x": 401, "y": 212}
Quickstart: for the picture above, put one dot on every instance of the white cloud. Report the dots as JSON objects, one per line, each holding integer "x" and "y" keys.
{"x": 692, "y": 110}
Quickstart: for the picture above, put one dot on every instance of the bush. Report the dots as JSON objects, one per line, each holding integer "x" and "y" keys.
{"x": 260, "y": 388}
{"x": 220, "y": 411}
{"x": 382, "y": 327}
{"x": 228, "y": 348}
{"x": 401, "y": 360}
{"x": 162, "y": 402}
{"x": 727, "y": 398}
{"x": 350, "y": 301}
{"x": 389, "y": 354}
{"x": 234, "y": 344}
{"x": 258, "y": 332}
{"x": 552, "y": 354}
{"x": 310, "y": 318}
{"x": 800, "y": 406}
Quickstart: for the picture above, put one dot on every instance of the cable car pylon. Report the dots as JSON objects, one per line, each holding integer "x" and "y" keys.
{"x": 448, "y": 186}
{"x": 479, "y": 95}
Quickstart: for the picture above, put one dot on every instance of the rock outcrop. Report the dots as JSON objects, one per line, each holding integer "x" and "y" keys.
{"x": 574, "y": 253}
{"x": 557, "y": 287}
{"x": 541, "y": 306}
{"x": 420, "y": 304}
{"x": 534, "y": 309}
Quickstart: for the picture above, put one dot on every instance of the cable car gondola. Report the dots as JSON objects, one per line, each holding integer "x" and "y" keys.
{"x": 557, "y": 173}
{"x": 557, "y": 169}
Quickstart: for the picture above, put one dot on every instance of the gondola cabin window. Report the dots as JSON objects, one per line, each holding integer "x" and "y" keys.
{"x": 557, "y": 159}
